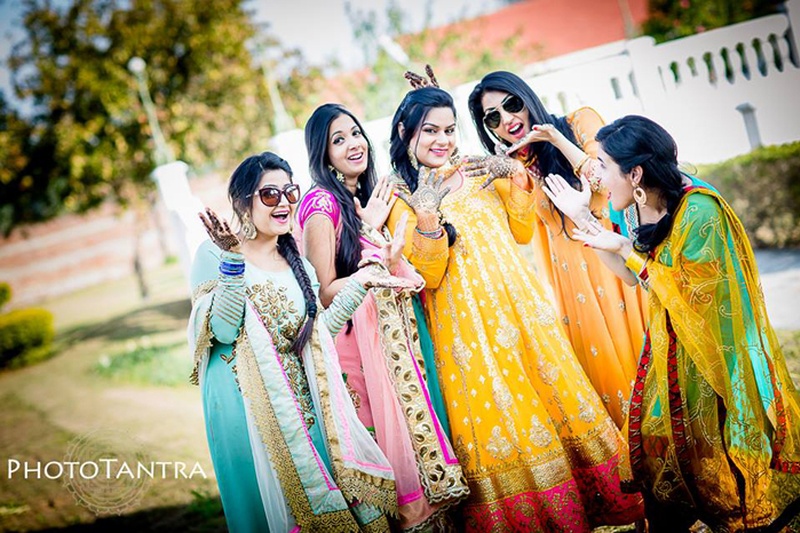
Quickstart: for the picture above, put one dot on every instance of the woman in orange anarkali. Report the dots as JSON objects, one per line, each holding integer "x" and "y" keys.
{"x": 603, "y": 317}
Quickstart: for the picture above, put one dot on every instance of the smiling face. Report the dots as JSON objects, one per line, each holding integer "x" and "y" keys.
{"x": 272, "y": 221}
{"x": 347, "y": 147}
{"x": 513, "y": 126}
{"x": 435, "y": 139}
{"x": 619, "y": 185}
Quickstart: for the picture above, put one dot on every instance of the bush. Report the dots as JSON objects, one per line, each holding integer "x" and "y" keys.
{"x": 25, "y": 336}
{"x": 763, "y": 187}
{"x": 5, "y": 293}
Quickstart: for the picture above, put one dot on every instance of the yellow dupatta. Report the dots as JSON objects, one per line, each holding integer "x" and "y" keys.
{"x": 706, "y": 303}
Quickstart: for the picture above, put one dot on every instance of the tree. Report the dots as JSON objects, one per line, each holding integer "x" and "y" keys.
{"x": 456, "y": 55}
{"x": 88, "y": 139}
{"x": 673, "y": 19}
{"x": 16, "y": 135}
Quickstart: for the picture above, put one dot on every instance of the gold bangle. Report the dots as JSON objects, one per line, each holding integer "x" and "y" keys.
{"x": 577, "y": 168}
{"x": 636, "y": 262}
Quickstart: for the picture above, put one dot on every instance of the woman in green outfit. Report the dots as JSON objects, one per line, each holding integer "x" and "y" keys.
{"x": 288, "y": 450}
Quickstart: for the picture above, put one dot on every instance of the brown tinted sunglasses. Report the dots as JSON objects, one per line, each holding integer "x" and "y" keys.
{"x": 270, "y": 195}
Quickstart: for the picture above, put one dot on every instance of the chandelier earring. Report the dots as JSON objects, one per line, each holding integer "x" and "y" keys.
{"x": 337, "y": 173}
{"x": 412, "y": 158}
{"x": 639, "y": 196}
{"x": 248, "y": 228}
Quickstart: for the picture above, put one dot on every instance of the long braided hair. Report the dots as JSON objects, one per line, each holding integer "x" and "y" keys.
{"x": 244, "y": 182}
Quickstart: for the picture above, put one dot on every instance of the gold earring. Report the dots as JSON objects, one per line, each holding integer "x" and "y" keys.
{"x": 248, "y": 228}
{"x": 639, "y": 196}
{"x": 412, "y": 158}
{"x": 339, "y": 175}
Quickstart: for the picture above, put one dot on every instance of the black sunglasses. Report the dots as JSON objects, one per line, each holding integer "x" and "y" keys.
{"x": 511, "y": 104}
{"x": 270, "y": 195}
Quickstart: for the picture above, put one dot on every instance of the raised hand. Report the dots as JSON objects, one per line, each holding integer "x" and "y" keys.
{"x": 539, "y": 133}
{"x": 219, "y": 232}
{"x": 379, "y": 205}
{"x": 394, "y": 252}
{"x": 493, "y": 167}
{"x": 390, "y": 253}
{"x": 573, "y": 203}
{"x": 596, "y": 236}
{"x": 429, "y": 194}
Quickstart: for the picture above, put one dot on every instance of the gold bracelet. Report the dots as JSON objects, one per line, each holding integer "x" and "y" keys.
{"x": 577, "y": 168}
{"x": 636, "y": 262}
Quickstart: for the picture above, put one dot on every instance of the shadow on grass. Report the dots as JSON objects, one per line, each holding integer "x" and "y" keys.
{"x": 147, "y": 320}
{"x": 204, "y": 515}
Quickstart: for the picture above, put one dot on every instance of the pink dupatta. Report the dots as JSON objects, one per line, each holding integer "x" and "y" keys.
{"x": 428, "y": 477}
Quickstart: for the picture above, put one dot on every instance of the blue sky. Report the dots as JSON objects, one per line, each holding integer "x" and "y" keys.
{"x": 9, "y": 19}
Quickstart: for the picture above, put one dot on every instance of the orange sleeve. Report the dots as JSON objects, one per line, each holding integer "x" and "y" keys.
{"x": 519, "y": 206}
{"x": 585, "y": 123}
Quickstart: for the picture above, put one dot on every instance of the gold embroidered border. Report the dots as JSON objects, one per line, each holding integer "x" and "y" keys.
{"x": 252, "y": 385}
{"x": 523, "y": 478}
{"x": 585, "y": 451}
{"x": 595, "y": 447}
{"x": 203, "y": 339}
{"x": 201, "y": 347}
{"x": 203, "y": 289}
{"x": 554, "y": 467}
{"x": 441, "y": 481}
{"x": 355, "y": 484}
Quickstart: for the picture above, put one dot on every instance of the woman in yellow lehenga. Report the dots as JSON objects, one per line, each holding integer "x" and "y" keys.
{"x": 538, "y": 449}
{"x": 603, "y": 317}
{"x": 714, "y": 431}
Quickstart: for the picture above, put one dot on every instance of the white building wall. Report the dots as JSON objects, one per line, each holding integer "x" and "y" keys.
{"x": 691, "y": 86}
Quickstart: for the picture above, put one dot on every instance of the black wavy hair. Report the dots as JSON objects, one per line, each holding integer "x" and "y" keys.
{"x": 633, "y": 141}
{"x": 348, "y": 253}
{"x": 411, "y": 113}
{"x": 243, "y": 183}
{"x": 551, "y": 160}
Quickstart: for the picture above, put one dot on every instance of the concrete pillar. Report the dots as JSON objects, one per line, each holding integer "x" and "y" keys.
{"x": 649, "y": 86}
{"x": 182, "y": 208}
{"x": 792, "y": 8}
{"x": 748, "y": 112}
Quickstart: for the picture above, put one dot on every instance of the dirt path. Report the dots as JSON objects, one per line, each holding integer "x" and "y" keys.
{"x": 45, "y": 407}
{"x": 780, "y": 279}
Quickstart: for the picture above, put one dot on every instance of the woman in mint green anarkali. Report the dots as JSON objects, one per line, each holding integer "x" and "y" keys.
{"x": 288, "y": 450}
